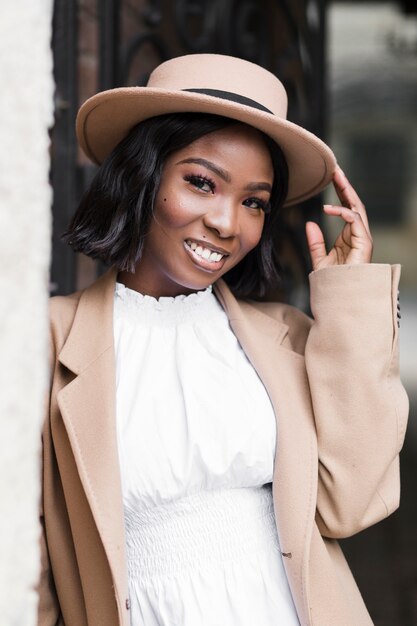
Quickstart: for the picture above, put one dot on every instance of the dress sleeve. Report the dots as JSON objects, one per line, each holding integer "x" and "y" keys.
{"x": 359, "y": 403}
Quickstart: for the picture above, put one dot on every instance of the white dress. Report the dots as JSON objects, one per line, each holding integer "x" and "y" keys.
{"x": 196, "y": 436}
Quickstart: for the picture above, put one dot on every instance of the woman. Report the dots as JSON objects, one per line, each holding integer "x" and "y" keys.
{"x": 204, "y": 451}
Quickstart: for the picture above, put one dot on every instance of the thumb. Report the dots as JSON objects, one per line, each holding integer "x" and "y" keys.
{"x": 316, "y": 244}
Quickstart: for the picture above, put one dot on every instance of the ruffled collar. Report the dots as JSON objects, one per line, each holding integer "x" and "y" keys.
{"x": 165, "y": 309}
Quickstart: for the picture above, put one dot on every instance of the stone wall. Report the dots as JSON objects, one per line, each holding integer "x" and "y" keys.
{"x": 26, "y": 108}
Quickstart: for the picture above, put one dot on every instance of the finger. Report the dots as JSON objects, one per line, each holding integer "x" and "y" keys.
{"x": 316, "y": 243}
{"x": 348, "y": 196}
{"x": 348, "y": 215}
{"x": 346, "y": 193}
{"x": 359, "y": 235}
{"x": 351, "y": 217}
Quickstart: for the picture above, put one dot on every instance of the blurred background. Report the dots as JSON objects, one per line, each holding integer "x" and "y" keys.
{"x": 371, "y": 83}
{"x": 350, "y": 70}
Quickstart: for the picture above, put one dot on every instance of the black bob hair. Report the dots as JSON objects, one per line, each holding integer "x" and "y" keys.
{"x": 114, "y": 214}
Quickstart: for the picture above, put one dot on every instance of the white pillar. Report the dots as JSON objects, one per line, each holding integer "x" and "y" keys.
{"x": 26, "y": 108}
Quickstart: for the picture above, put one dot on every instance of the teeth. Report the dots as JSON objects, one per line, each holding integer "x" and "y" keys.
{"x": 205, "y": 253}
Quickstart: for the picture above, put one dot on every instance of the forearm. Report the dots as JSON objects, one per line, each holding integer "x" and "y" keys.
{"x": 359, "y": 404}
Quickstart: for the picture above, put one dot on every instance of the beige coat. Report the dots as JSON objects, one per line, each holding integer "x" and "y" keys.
{"x": 341, "y": 414}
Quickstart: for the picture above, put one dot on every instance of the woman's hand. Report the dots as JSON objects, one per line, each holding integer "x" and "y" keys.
{"x": 354, "y": 244}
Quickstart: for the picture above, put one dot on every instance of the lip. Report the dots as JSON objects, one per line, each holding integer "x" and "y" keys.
{"x": 204, "y": 264}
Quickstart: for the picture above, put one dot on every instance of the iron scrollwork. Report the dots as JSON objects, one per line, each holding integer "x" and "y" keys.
{"x": 245, "y": 31}
{"x": 196, "y": 22}
{"x": 132, "y": 53}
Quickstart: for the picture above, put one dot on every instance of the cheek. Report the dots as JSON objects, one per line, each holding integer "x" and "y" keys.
{"x": 253, "y": 233}
{"x": 166, "y": 212}
{"x": 172, "y": 211}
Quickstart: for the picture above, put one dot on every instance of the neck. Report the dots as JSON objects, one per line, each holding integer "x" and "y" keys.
{"x": 149, "y": 288}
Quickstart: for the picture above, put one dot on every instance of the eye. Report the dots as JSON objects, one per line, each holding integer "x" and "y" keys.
{"x": 201, "y": 182}
{"x": 258, "y": 203}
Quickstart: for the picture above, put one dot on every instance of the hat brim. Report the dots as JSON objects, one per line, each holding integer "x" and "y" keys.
{"x": 106, "y": 118}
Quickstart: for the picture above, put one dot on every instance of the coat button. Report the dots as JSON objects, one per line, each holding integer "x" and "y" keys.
{"x": 127, "y": 604}
{"x": 398, "y": 309}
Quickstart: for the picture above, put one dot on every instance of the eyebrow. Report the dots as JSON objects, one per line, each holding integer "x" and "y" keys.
{"x": 225, "y": 175}
{"x": 258, "y": 187}
{"x": 210, "y": 166}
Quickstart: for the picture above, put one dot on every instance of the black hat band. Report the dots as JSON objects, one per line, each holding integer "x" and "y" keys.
{"x": 234, "y": 97}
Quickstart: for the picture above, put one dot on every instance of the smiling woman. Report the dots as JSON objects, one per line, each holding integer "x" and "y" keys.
{"x": 205, "y": 198}
{"x": 204, "y": 450}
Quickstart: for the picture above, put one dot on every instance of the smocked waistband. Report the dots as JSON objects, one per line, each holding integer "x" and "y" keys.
{"x": 210, "y": 527}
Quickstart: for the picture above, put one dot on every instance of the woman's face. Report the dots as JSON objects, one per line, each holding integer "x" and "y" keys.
{"x": 208, "y": 212}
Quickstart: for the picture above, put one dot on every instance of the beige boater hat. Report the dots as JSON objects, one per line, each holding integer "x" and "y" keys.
{"x": 210, "y": 83}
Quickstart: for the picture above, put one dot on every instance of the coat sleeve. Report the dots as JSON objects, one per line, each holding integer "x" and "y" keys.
{"x": 359, "y": 403}
{"x": 49, "y": 613}
{"x": 48, "y": 607}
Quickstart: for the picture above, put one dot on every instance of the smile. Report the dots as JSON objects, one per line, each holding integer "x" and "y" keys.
{"x": 205, "y": 257}
{"x": 205, "y": 253}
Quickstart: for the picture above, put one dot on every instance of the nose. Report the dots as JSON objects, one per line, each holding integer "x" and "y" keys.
{"x": 223, "y": 219}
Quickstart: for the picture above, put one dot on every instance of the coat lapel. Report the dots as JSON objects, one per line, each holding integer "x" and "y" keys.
{"x": 283, "y": 373}
{"x": 87, "y": 405}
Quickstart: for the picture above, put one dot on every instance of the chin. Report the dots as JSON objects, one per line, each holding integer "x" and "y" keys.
{"x": 198, "y": 283}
